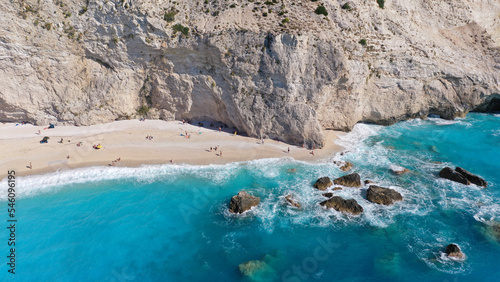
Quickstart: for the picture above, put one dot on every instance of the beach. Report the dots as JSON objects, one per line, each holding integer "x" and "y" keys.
{"x": 126, "y": 141}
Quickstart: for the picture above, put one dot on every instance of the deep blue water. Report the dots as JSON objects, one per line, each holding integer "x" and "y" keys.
{"x": 170, "y": 223}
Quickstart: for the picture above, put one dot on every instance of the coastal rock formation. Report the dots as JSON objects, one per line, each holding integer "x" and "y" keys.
{"x": 342, "y": 205}
{"x": 243, "y": 202}
{"x": 350, "y": 180}
{"x": 289, "y": 75}
{"x": 454, "y": 251}
{"x": 344, "y": 165}
{"x": 337, "y": 188}
{"x": 328, "y": 195}
{"x": 462, "y": 176}
{"x": 398, "y": 170}
{"x": 472, "y": 177}
{"x": 368, "y": 182}
{"x": 323, "y": 183}
{"x": 452, "y": 175}
{"x": 290, "y": 200}
{"x": 382, "y": 196}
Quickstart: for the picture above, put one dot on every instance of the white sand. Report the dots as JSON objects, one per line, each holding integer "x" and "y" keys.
{"x": 20, "y": 145}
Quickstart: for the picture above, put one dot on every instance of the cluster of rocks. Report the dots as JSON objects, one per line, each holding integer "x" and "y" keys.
{"x": 375, "y": 194}
{"x": 463, "y": 176}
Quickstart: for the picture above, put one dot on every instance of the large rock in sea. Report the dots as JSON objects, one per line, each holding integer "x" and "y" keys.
{"x": 342, "y": 205}
{"x": 350, "y": 180}
{"x": 323, "y": 183}
{"x": 472, "y": 177}
{"x": 452, "y": 175}
{"x": 399, "y": 170}
{"x": 454, "y": 251}
{"x": 290, "y": 200}
{"x": 382, "y": 196}
{"x": 344, "y": 165}
{"x": 243, "y": 202}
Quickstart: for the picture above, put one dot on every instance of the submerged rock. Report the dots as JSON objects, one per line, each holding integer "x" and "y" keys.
{"x": 337, "y": 188}
{"x": 454, "y": 251}
{"x": 368, "y": 182}
{"x": 342, "y": 205}
{"x": 323, "y": 183}
{"x": 249, "y": 268}
{"x": 350, "y": 180}
{"x": 260, "y": 270}
{"x": 344, "y": 166}
{"x": 472, "y": 177}
{"x": 382, "y": 196}
{"x": 452, "y": 175}
{"x": 398, "y": 170}
{"x": 328, "y": 195}
{"x": 290, "y": 200}
{"x": 243, "y": 202}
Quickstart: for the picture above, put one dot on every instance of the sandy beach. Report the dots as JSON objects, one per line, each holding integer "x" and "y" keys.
{"x": 126, "y": 140}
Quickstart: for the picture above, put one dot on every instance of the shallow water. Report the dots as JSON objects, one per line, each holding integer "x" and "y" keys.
{"x": 170, "y": 222}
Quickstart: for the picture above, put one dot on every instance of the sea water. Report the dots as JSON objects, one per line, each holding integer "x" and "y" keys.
{"x": 171, "y": 222}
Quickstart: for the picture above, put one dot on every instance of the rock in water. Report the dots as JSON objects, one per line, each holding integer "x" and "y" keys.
{"x": 398, "y": 170}
{"x": 290, "y": 200}
{"x": 250, "y": 268}
{"x": 382, "y": 196}
{"x": 347, "y": 166}
{"x": 472, "y": 177}
{"x": 342, "y": 205}
{"x": 243, "y": 202}
{"x": 323, "y": 183}
{"x": 452, "y": 175}
{"x": 337, "y": 188}
{"x": 328, "y": 195}
{"x": 454, "y": 251}
{"x": 350, "y": 180}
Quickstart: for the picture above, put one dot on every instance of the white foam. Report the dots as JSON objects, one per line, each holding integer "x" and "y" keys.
{"x": 359, "y": 133}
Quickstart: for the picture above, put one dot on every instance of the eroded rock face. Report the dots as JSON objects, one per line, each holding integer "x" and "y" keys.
{"x": 342, "y": 205}
{"x": 323, "y": 183}
{"x": 472, "y": 177}
{"x": 454, "y": 251}
{"x": 243, "y": 202}
{"x": 383, "y": 196}
{"x": 452, "y": 175}
{"x": 288, "y": 82}
{"x": 350, "y": 180}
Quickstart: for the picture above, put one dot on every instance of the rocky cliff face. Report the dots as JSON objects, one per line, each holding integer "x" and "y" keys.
{"x": 274, "y": 69}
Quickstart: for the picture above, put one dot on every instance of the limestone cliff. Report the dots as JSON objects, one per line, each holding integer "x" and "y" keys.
{"x": 273, "y": 68}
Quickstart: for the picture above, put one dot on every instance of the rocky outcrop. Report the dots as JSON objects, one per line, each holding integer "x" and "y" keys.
{"x": 328, "y": 195}
{"x": 290, "y": 80}
{"x": 342, "y": 205}
{"x": 398, "y": 170}
{"x": 472, "y": 177}
{"x": 323, "y": 183}
{"x": 454, "y": 251}
{"x": 462, "y": 176}
{"x": 382, "y": 196}
{"x": 452, "y": 175}
{"x": 344, "y": 165}
{"x": 290, "y": 200}
{"x": 350, "y": 180}
{"x": 243, "y": 202}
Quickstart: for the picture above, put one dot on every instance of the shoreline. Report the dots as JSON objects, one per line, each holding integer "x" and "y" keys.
{"x": 126, "y": 140}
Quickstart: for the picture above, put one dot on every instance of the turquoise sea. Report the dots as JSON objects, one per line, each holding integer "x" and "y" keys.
{"x": 171, "y": 223}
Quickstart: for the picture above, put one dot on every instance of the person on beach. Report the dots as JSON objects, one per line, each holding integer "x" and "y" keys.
{"x": 67, "y": 157}
{"x": 172, "y": 160}
{"x": 220, "y": 129}
{"x": 235, "y": 132}
{"x": 312, "y": 153}
{"x": 289, "y": 150}
{"x": 210, "y": 149}
{"x": 262, "y": 140}
{"x": 31, "y": 166}
{"x": 220, "y": 153}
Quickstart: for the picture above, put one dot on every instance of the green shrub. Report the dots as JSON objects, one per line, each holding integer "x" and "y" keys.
{"x": 181, "y": 28}
{"x": 170, "y": 15}
{"x": 285, "y": 20}
{"x": 48, "y": 26}
{"x": 264, "y": 14}
{"x": 381, "y": 3}
{"x": 232, "y": 6}
{"x": 83, "y": 10}
{"x": 362, "y": 42}
{"x": 346, "y": 6}
{"x": 143, "y": 110}
{"x": 321, "y": 10}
